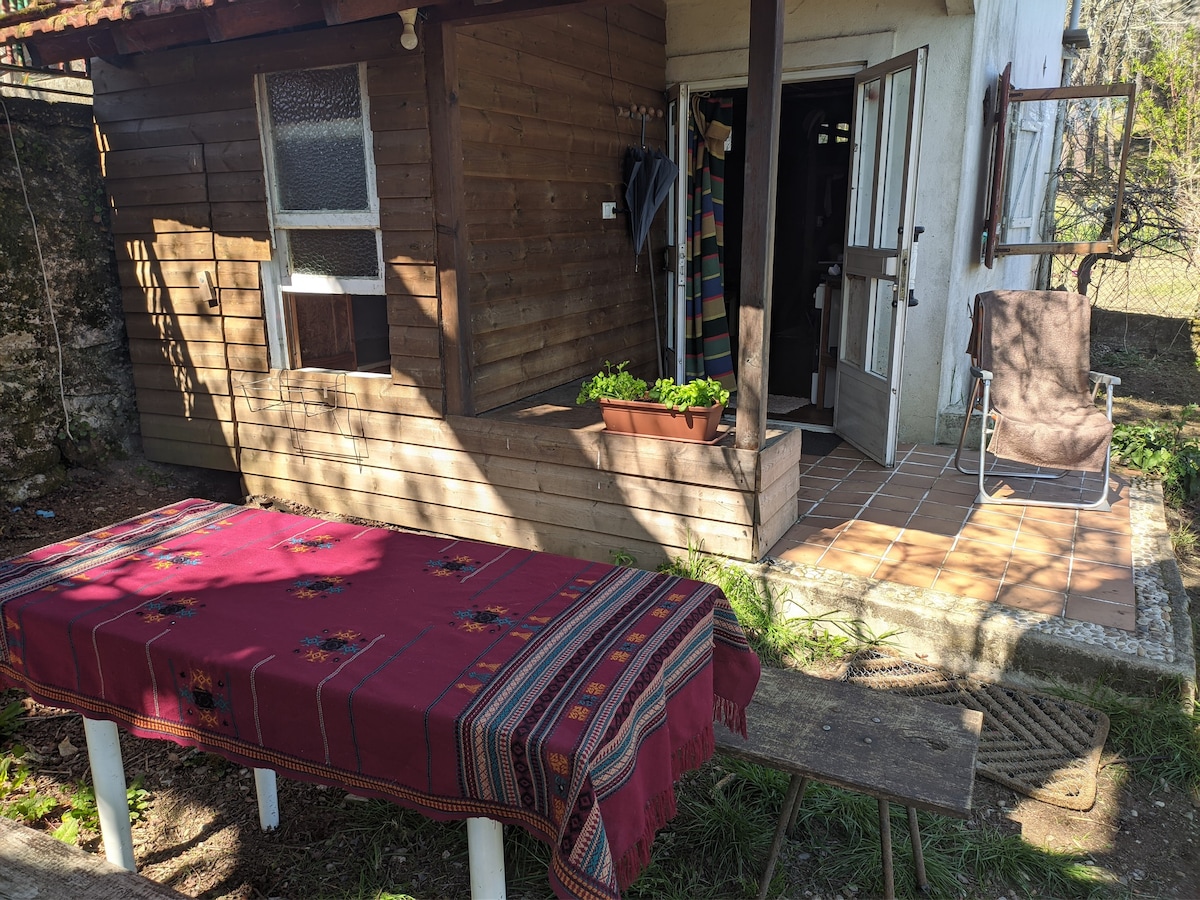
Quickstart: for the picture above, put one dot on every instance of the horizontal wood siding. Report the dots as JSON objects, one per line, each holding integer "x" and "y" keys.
{"x": 180, "y": 149}
{"x": 584, "y": 493}
{"x": 554, "y": 290}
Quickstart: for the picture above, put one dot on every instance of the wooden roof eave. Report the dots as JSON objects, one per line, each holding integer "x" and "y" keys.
{"x": 104, "y": 28}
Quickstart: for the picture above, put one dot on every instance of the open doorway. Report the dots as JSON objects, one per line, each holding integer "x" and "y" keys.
{"x": 810, "y": 228}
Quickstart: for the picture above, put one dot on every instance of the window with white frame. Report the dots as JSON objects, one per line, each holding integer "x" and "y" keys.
{"x": 327, "y": 307}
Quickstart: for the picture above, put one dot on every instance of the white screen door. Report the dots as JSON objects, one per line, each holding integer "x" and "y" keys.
{"x": 877, "y": 270}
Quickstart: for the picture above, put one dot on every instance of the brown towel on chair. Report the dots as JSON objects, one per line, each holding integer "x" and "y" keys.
{"x": 1037, "y": 345}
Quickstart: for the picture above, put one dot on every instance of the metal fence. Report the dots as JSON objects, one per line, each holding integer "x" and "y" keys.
{"x": 1157, "y": 293}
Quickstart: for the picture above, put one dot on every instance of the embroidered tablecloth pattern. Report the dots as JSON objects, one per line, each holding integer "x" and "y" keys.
{"x": 456, "y": 677}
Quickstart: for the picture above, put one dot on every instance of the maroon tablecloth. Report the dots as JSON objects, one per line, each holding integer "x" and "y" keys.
{"x": 457, "y": 678}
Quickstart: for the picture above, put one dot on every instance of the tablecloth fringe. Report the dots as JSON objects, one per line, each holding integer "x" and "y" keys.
{"x": 730, "y": 714}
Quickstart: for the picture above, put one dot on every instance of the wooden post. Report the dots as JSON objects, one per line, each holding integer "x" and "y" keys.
{"x": 445, "y": 138}
{"x": 763, "y": 95}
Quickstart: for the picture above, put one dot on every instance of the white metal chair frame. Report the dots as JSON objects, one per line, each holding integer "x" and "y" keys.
{"x": 981, "y": 387}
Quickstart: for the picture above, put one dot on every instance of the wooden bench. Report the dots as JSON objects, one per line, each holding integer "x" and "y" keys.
{"x": 35, "y": 865}
{"x": 894, "y": 748}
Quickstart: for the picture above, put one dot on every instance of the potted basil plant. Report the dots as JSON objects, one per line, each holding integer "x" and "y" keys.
{"x": 628, "y": 405}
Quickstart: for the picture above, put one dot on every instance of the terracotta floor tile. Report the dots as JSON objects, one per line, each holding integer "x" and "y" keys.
{"x": 925, "y": 482}
{"x": 902, "y": 504}
{"x": 1116, "y": 522}
{"x": 972, "y": 560}
{"x": 933, "y": 540}
{"x": 924, "y": 466}
{"x": 1058, "y": 531}
{"x": 1051, "y": 514}
{"x": 844, "y": 511}
{"x": 905, "y": 491}
{"x": 805, "y": 554}
{"x": 1004, "y": 537}
{"x": 1052, "y": 573}
{"x": 907, "y": 573}
{"x": 996, "y": 517}
{"x": 867, "y": 544}
{"x": 1111, "y": 615}
{"x": 957, "y": 485}
{"x": 931, "y": 525}
{"x": 967, "y": 585}
{"x": 850, "y": 494}
{"x": 1037, "y": 544}
{"x": 1105, "y": 547}
{"x": 935, "y": 509}
{"x": 873, "y": 529}
{"x": 850, "y": 563}
{"x": 823, "y": 523}
{"x": 1033, "y": 599}
{"x": 1103, "y": 582}
{"x": 916, "y": 554}
{"x": 893, "y": 518}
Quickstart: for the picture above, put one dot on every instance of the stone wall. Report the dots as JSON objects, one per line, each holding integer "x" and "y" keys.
{"x": 57, "y": 411}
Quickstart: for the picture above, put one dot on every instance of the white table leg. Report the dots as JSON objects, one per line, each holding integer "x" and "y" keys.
{"x": 112, "y": 802}
{"x": 485, "y": 854}
{"x": 268, "y": 799}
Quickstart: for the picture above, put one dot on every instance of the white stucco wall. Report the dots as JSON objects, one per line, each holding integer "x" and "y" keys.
{"x": 707, "y": 41}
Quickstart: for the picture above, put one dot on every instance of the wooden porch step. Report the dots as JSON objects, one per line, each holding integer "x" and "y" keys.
{"x": 35, "y": 866}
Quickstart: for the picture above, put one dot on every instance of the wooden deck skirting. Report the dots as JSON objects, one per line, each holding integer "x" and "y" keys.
{"x": 540, "y": 475}
{"x": 35, "y": 865}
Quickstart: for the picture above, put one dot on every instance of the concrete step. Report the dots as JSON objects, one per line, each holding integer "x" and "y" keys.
{"x": 1024, "y": 648}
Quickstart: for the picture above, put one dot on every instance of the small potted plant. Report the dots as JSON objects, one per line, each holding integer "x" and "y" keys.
{"x": 628, "y": 405}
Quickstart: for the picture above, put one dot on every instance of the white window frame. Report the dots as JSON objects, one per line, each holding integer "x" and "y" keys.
{"x": 282, "y": 221}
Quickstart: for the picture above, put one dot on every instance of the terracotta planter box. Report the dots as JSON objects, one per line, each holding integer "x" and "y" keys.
{"x": 696, "y": 423}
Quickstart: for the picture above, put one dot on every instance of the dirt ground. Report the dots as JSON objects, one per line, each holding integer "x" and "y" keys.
{"x": 200, "y": 832}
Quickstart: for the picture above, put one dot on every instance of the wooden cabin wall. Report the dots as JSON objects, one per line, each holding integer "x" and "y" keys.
{"x": 553, "y": 287}
{"x": 179, "y": 139}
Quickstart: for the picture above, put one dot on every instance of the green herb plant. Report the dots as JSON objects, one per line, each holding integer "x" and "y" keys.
{"x": 617, "y": 383}
{"x": 697, "y": 392}
{"x": 612, "y": 383}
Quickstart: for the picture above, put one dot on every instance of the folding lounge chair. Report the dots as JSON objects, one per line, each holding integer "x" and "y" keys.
{"x": 1037, "y": 398}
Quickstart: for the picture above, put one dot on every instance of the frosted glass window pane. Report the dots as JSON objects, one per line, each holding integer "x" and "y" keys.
{"x": 334, "y": 253}
{"x": 317, "y": 137}
{"x": 868, "y": 135}
{"x": 897, "y": 139}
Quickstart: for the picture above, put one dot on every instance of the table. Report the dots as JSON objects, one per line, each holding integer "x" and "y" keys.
{"x": 461, "y": 679}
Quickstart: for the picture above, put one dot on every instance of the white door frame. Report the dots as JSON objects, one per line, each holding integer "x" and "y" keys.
{"x": 678, "y": 108}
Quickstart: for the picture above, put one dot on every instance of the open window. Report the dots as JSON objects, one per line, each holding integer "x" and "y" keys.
{"x": 1057, "y": 182}
{"x": 327, "y": 308}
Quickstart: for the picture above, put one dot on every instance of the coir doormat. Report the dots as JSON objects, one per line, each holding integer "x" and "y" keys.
{"x": 1042, "y": 746}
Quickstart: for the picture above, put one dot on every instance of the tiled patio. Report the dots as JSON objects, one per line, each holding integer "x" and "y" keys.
{"x": 917, "y": 524}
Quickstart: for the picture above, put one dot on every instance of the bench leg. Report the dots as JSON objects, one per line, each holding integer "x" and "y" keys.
{"x": 790, "y": 803}
{"x": 885, "y": 850}
{"x": 268, "y": 799}
{"x": 914, "y": 833}
{"x": 796, "y": 804}
{"x": 485, "y": 859}
{"x": 112, "y": 801}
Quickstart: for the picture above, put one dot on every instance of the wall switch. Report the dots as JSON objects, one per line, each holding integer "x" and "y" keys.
{"x": 608, "y": 210}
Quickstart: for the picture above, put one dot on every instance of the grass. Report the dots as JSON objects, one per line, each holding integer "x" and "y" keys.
{"x": 1157, "y": 739}
{"x": 778, "y": 638}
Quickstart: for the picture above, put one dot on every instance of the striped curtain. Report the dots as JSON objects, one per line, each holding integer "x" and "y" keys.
{"x": 707, "y": 339}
